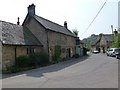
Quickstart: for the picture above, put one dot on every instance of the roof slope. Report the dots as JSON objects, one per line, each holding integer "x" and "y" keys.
{"x": 13, "y": 34}
{"x": 53, "y": 26}
{"x": 108, "y": 37}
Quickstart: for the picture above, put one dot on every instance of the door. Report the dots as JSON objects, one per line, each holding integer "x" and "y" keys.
{"x": 68, "y": 53}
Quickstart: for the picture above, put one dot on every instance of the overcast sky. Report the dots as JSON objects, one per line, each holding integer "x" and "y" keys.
{"x": 77, "y": 13}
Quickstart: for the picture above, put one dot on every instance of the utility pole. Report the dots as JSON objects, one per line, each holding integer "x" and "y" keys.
{"x": 112, "y": 29}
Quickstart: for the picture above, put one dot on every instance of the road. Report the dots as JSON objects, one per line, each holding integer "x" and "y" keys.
{"x": 94, "y": 71}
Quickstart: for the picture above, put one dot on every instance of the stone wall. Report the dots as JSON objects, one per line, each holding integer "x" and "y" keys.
{"x": 103, "y": 41}
{"x": 50, "y": 39}
{"x": 38, "y": 31}
{"x": 8, "y": 56}
{"x": 62, "y": 40}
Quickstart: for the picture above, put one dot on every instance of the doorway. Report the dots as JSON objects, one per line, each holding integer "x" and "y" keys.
{"x": 68, "y": 53}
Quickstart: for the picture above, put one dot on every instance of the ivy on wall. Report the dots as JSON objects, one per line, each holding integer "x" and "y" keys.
{"x": 57, "y": 53}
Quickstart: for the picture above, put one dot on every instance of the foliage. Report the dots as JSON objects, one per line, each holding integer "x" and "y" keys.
{"x": 100, "y": 35}
{"x": 12, "y": 69}
{"x": 22, "y": 61}
{"x": 75, "y": 32}
{"x": 76, "y": 56}
{"x": 116, "y": 43}
{"x": 39, "y": 59}
{"x": 28, "y": 62}
{"x": 32, "y": 60}
{"x": 90, "y": 40}
{"x": 57, "y": 53}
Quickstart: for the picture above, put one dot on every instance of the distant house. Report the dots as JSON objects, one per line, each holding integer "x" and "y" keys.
{"x": 95, "y": 45}
{"x": 106, "y": 42}
{"x": 103, "y": 43}
{"x": 51, "y": 34}
{"x": 15, "y": 41}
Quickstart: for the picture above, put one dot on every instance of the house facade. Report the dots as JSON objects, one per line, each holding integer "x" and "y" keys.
{"x": 106, "y": 42}
{"x": 96, "y": 45}
{"x": 103, "y": 43}
{"x": 51, "y": 34}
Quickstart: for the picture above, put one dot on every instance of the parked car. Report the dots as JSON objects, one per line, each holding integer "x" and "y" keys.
{"x": 111, "y": 52}
{"x": 117, "y": 53}
{"x": 95, "y": 51}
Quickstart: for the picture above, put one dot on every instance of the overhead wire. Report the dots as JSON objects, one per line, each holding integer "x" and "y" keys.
{"x": 94, "y": 18}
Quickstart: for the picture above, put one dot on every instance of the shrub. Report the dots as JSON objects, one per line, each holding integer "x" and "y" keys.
{"x": 45, "y": 58}
{"x": 40, "y": 58}
{"x": 57, "y": 53}
{"x": 22, "y": 61}
{"x": 32, "y": 60}
{"x": 12, "y": 69}
{"x": 28, "y": 62}
{"x": 76, "y": 56}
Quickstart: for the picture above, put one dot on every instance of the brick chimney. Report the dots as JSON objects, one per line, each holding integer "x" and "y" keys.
{"x": 18, "y": 22}
{"x": 65, "y": 24}
{"x": 31, "y": 10}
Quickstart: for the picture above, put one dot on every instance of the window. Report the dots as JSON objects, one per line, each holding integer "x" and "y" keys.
{"x": 30, "y": 50}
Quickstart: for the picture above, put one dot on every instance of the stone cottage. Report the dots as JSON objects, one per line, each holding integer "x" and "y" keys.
{"x": 103, "y": 42}
{"x": 15, "y": 41}
{"x": 106, "y": 42}
{"x": 51, "y": 34}
{"x": 36, "y": 35}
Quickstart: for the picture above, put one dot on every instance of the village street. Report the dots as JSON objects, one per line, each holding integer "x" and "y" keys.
{"x": 93, "y": 71}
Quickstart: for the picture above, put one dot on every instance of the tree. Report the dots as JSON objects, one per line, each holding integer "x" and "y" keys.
{"x": 116, "y": 42}
{"x": 75, "y": 32}
{"x": 100, "y": 35}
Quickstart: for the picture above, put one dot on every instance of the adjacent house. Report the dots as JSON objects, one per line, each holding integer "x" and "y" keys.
{"x": 103, "y": 43}
{"x": 51, "y": 34}
{"x": 15, "y": 41}
{"x": 95, "y": 45}
{"x": 106, "y": 42}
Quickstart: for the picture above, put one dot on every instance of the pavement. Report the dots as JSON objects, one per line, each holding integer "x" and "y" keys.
{"x": 94, "y": 71}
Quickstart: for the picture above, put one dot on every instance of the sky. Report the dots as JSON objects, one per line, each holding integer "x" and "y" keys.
{"x": 78, "y": 13}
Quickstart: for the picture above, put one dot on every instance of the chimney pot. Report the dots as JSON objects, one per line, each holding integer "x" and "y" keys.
{"x": 65, "y": 24}
{"x": 18, "y": 22}
{"x": 31, "y": 9}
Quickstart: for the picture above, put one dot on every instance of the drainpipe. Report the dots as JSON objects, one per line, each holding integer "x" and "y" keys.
{"x": 48, "y": 45}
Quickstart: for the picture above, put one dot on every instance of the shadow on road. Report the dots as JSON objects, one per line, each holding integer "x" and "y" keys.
{"x": 52, "y": 68}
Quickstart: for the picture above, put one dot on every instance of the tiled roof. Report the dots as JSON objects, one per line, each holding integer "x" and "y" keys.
{"x": 108, "y": 37}
{"x": 53, "y": 26}
{"x": 13, "y": 34}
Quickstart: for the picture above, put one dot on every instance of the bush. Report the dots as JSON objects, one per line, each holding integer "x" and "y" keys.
{"x": 32, "y": 60}
{"x": 12, "y": 69}
{"x": 23, "y": 61}
{"x": 76, "y": 56}
{"x": 45, "y": 58}
{"x": 57, "y": 53}
{"x": 28, "y": 62}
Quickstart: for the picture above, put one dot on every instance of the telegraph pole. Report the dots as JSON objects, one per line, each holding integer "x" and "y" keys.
{"x": 112, "y": 29}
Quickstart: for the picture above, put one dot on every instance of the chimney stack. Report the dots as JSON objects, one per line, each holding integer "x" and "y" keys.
{"x": 65, "y": 24}
{"x": 18, "y": 22}
{"x": 31, "y": 10}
